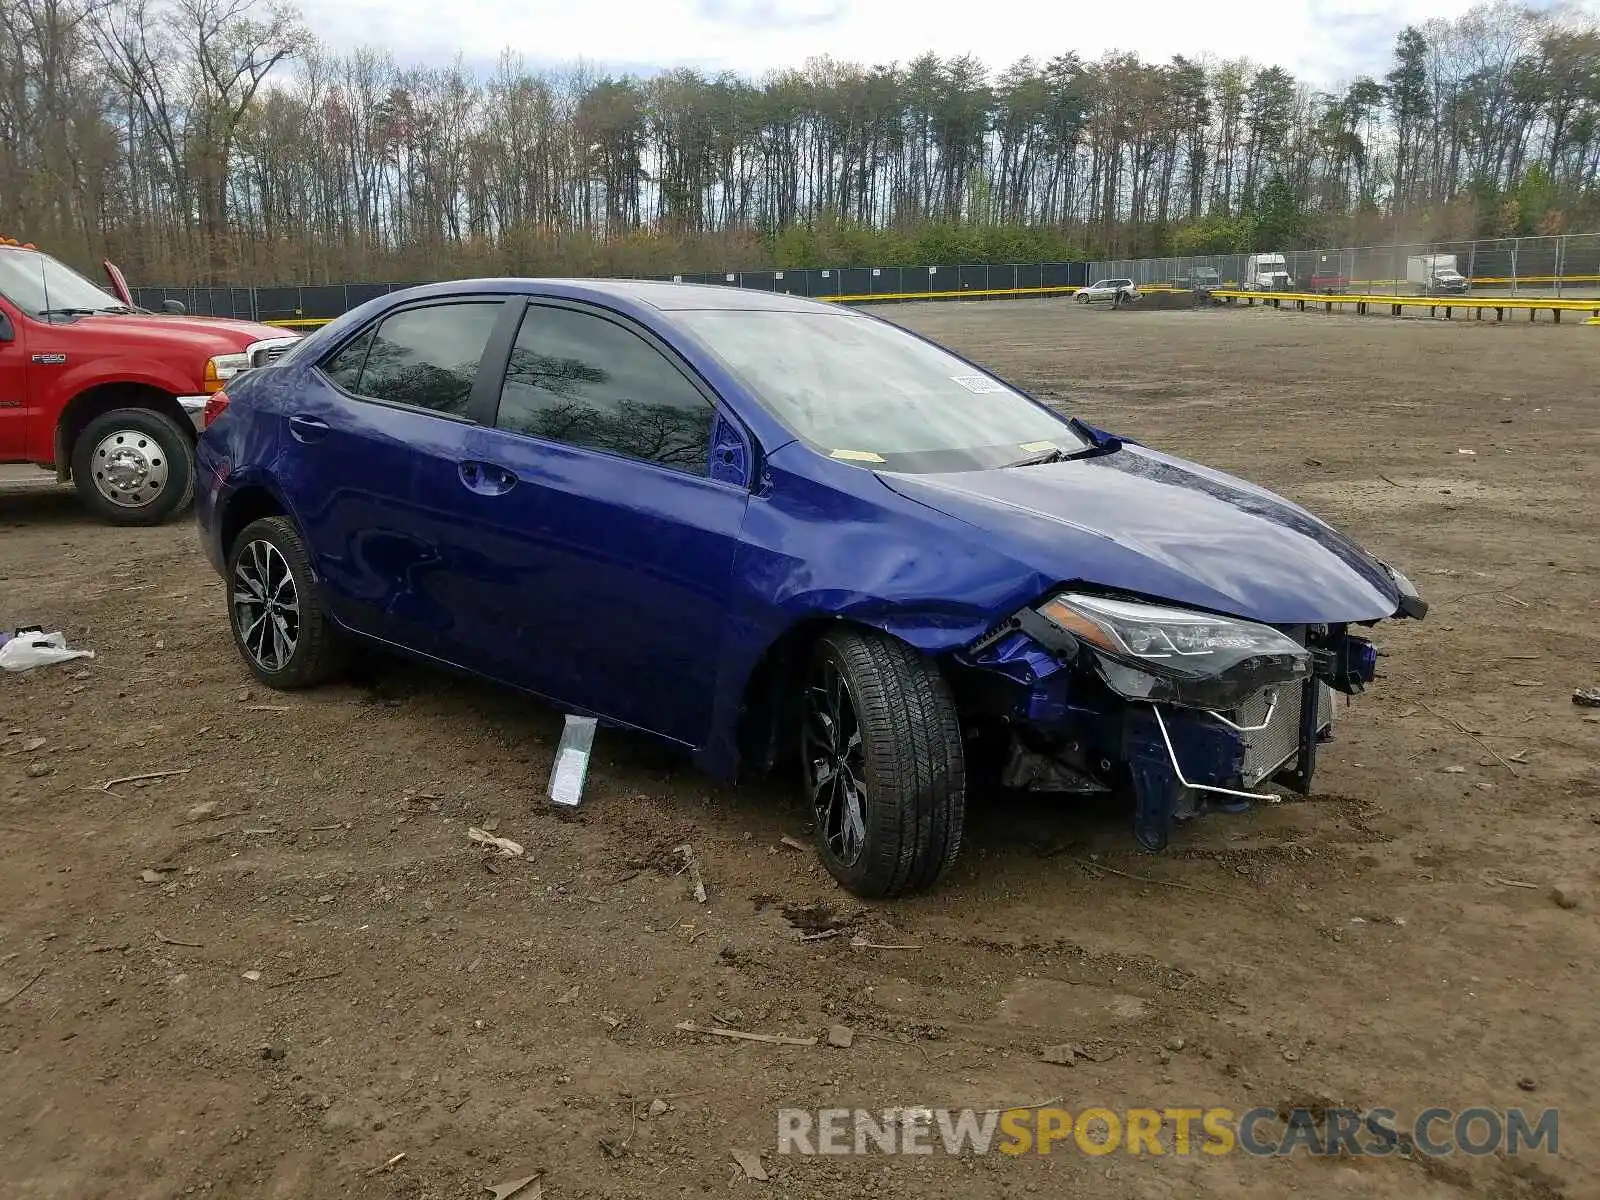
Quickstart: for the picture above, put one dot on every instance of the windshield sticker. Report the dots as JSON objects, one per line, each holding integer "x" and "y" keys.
{"x": 979, "y": 385}
{"x": 858, "y": 455}
{"x": 1035, "y": 447}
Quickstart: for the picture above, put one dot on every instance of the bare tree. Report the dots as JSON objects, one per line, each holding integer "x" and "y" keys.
{"x": 213, "y": 140}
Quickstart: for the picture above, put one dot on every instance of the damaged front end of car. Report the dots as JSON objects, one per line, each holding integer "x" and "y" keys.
{"x": 1090, "y": 691}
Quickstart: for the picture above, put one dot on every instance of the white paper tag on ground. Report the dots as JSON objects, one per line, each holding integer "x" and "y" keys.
{"x": 566, "y": 782}
{"x": 572, "y": 761}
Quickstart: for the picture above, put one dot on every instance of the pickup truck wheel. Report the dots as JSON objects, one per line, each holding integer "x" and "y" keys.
{"x": 882, "y": 758}
{"x": 134, "y": 466}
{"x": 282, "y": 630}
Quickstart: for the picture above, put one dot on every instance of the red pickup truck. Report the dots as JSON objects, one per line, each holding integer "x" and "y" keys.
{"x": 107, "y": 394}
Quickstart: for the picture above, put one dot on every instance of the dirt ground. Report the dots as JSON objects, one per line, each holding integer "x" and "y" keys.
{"x": 323, "y": 974}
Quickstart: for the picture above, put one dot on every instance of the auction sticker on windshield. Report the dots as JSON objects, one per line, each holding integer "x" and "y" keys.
{"x": 979, "y": 385}
{"x": 858, "y": 455}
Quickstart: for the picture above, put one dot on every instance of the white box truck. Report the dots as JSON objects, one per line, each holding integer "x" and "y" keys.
{"x": 1436, "y": 274}
{"x": 1266, "y": 273}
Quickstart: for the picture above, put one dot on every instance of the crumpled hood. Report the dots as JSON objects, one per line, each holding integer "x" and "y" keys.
{"x": 1139, "y": 521}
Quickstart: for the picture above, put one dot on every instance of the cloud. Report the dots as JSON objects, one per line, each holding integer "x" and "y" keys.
{"x": 772, "y": 14}
{"x": 1324, "y": 42}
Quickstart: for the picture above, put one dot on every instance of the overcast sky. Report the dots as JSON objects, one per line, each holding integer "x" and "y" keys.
{"x": 1324, "y": 42}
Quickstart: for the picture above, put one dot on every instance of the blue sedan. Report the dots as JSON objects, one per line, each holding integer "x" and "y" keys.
{"x": 783, "y": 533}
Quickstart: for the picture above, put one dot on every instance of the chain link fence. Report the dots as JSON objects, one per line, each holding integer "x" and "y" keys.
{"x": 1562, "y": 266}
{"x": 1567, "y": 266}
{"x": 325, "y": 301}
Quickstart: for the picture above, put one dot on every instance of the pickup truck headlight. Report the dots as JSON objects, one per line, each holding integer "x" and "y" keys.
{"x": 1177, "y": 655}
{"x": 223, "y": 368}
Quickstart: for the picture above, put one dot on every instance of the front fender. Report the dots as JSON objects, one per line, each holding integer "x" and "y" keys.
{"x": 100, "y": 372}
{"x": 819, "y": 546}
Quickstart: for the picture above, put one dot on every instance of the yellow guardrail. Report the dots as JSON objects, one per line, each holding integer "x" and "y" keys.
{"x": 1485, "y": 280}
{"x": 1362, "y": 301}
{"x": 860, "y": 298}
{"x": 1501, "y": 304}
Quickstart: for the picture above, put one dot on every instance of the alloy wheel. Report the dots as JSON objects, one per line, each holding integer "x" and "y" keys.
{"x": 266, "y": 605}
{"x": 835, "y": 764}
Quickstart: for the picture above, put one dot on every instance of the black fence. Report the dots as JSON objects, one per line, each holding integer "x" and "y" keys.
{"x": 321, "y": 302}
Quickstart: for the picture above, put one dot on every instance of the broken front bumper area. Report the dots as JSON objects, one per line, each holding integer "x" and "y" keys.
{"x": 1067, "y": 729}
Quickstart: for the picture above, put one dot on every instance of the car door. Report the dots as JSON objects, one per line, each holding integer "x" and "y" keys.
{"x": 596, "y": 542}
{"x": 393, "y": 397}
{"x": 15, "y": 415}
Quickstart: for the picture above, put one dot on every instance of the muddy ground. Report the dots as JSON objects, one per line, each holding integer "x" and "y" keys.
{"x": 324, "y": 974}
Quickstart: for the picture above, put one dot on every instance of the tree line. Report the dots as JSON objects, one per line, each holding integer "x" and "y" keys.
{"x": 216, "y": 141}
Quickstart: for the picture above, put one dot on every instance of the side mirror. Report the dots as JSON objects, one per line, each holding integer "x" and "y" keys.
{"x": 175, "y": 307}
{"x": 7, "y": 333}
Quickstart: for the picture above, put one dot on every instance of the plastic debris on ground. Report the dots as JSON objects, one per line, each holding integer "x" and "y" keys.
{"x": 29, "y": 648}
{"x": 506, "y": 846}
{"x": 571, "y": 765}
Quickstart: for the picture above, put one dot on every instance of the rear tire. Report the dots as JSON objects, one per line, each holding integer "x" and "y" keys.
{"x": 275, "y": 610}
{"x": 134, "y": 466}
{"x": 883, "y": 765}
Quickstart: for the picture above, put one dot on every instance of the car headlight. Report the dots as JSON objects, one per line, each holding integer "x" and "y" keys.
{"x": 1177, "y": 655}
{"x": 1411, "y": 603}
{"x": 222, "y": 368}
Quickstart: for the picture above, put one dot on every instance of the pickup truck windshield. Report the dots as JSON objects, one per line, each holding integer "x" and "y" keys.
{"x": 865, "y": 391}
{"x": 38, "y": 284}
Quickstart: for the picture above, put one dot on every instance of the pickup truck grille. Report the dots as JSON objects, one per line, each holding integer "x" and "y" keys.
{"x": 269, "y": 350}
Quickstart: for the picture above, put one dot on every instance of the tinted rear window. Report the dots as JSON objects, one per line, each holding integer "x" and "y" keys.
{"x": 424, "y": 357}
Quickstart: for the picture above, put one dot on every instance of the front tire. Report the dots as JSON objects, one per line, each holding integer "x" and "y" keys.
{"x": 134, "y": 466}
{"x": 882, "y": 761}
{"x": 275, "y": 609}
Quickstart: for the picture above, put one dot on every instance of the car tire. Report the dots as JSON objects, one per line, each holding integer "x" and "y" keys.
{"x": 891, "y": 822}
{"x": 280, "y": 625}
{"x": 134, "y": 466}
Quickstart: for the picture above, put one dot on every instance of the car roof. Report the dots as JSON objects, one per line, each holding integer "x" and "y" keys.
{"x": 655, "y": 293}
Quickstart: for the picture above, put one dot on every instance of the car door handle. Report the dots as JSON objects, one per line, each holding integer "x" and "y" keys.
{"x": 486, "y": 479}
{"x": 307, "y": 429}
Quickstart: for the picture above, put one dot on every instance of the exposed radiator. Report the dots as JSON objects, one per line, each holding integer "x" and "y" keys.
{"x": 1268, "y": 750}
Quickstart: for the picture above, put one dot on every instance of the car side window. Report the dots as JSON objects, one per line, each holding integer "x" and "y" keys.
{"x": 429, "y": 357}
{"x": 583, "y": 380}
{"x": 344, "y": 368}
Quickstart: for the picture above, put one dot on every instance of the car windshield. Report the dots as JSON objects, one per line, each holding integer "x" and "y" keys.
{"x": 863, "y": 390}
{"x": 37, "y": 283}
